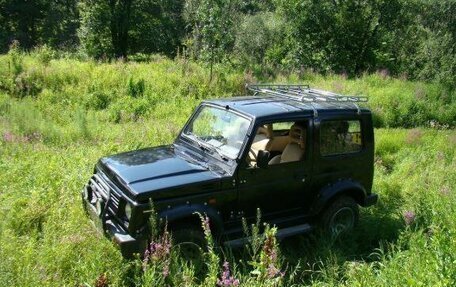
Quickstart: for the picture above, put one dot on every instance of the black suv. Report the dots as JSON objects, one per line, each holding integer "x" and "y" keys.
{"x": 304, "y": 157}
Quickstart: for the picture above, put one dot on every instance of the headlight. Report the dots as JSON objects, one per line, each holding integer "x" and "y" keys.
{"x": 128, "y": 211}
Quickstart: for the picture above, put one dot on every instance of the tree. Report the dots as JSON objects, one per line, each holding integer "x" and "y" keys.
{"x": 24, "y": 18}
{"x": 341, "y": 36}
{"x": 158, "y": 28}
{"x": 116, "y": 28}
{"x": 39, "y": 22}
{"x": 260, "y": 38}
{"x": 60, "y": 24}
{"x": 211, "y": 28}
{"x": 104, "y": 27}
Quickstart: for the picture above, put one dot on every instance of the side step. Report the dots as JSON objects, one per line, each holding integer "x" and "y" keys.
{"x": 281, "y": 234}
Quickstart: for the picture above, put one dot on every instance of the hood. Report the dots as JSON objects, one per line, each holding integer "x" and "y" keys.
{"x": 159, "y": 170}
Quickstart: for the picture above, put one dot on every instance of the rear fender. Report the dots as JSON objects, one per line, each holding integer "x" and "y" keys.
{"x": 344, "y": 187}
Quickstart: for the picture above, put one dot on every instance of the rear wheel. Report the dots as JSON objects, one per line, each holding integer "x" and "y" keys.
{"x": 341, "y": 216}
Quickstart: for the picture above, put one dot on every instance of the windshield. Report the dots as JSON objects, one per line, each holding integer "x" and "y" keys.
{"x": 220, "y": 130}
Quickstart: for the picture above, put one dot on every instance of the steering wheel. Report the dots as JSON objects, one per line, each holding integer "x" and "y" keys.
{"x": 252, "y": 155}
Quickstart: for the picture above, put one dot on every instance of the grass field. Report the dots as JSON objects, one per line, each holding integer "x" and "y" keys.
{"x": 57, "y": 117}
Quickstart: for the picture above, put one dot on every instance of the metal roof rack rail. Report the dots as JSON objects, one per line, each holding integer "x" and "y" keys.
{"x": 302, "y": 93}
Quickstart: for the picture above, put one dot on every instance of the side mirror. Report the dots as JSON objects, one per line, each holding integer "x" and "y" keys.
{"x": 263, "y": 158}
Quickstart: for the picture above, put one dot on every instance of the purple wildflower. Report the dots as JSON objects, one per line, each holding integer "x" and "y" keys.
{"x": 206, "y": 225}
{"x": 159, "y": 252}
{"x": 273, "y": 271}
{"x": 409, "y": 217}
{"x": 227, "y": 280}
{"x": 270, "y": 257}
{"x": 8, "y": 137}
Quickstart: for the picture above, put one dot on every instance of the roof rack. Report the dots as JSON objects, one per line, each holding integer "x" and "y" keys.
{"x": 303, "y": 93}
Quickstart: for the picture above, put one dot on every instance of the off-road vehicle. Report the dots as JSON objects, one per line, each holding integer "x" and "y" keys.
{"x": 303, "y": 156}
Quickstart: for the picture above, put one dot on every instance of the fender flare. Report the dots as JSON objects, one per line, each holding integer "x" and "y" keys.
{"x": 183, "y": 212}
{"x": 331, "y": 191}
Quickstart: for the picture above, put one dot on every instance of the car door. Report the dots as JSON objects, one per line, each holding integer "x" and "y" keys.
{"x": 279, "y": 188}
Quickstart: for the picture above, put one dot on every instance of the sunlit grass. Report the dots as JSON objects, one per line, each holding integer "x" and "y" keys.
{"x": 69, "y": 113}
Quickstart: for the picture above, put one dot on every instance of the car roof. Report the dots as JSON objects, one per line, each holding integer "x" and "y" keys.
{"x": 269, "y": 106}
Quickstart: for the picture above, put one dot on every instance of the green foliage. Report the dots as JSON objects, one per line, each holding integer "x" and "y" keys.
{"x": 259, "y": 38}
{"x": 116, "y": 29}
{"x": 136, "y": 88}
{"x": 94, "y": 31}
{"x": 408, "y": 39}
{"x": 15, "y": 59}
{"x": 39, "y": 22}
{"x": 51, "y": 140}
{"x": 340, "y": 36}
{"x": 212, "y": 23}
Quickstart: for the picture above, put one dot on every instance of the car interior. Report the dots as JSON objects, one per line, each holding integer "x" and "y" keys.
{"x": 285, "y": 142}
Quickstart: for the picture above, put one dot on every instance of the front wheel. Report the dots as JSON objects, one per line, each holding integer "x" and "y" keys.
{"x": 190, "y": 240}
{"x": 340, "y": 217}
{"x": 190, "y": 245}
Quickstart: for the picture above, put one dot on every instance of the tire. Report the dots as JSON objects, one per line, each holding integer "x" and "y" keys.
{"x": 190, "y": 241}
{"x": 340, "y": 217}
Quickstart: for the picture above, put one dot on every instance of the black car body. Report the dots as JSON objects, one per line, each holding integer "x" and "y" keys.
{"x": 207, "y": 175}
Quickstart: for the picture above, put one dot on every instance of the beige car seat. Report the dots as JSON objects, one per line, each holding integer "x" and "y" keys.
{"x": 294, "y": 151}
{"x": 261, "y": 141}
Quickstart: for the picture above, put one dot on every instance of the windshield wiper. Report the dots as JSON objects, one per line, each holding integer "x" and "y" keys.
{"x": 208, "y": 147}
{"x": 221, "y": 155}
{"x": 212, "y": 149}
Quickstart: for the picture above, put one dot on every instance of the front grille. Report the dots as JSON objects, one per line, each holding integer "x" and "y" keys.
{"x": 101, "y": 189}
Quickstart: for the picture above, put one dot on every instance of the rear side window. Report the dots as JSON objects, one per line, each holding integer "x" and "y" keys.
{"x": 340, "y": 137}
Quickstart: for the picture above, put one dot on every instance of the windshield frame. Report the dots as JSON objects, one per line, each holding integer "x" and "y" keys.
{"x": 199, "y": 142}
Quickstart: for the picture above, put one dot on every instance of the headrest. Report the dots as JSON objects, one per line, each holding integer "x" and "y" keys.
{"x": 266, "y": 130}
{"x": 298, "y": 135}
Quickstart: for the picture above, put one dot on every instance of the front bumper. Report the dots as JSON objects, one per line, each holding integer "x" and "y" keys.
{"x": 128, "y": 245}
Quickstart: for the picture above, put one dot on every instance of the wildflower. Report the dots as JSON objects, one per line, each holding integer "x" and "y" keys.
{"x": 445, "y": 190}
{"x": 270, "y": 256}
{"x": 414, "y": 136}
{"x": 440, "y": 156}
{"x": 409, "y": 217}
{"x": 102, "y": 281}
{"x": 273, "y": 271}
{"x": 8, "y": 137}
{"x": 159, "y": 252}
{"x": 206, "y": 225}
{"x": 227, "y": 280}
{"x": 270, "y": 248}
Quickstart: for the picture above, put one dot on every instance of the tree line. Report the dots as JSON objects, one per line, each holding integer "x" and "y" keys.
{"x": 415, "y": 38}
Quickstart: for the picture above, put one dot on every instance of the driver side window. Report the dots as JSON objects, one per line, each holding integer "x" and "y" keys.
{"x": 282, "y": 142}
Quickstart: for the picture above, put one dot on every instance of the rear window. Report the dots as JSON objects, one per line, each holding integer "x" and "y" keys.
{"x": 340, "y": 137}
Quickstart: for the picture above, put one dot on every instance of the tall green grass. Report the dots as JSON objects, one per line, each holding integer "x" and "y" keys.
{"x": 77, "y": 111}
{"x": 129, "y": 92}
